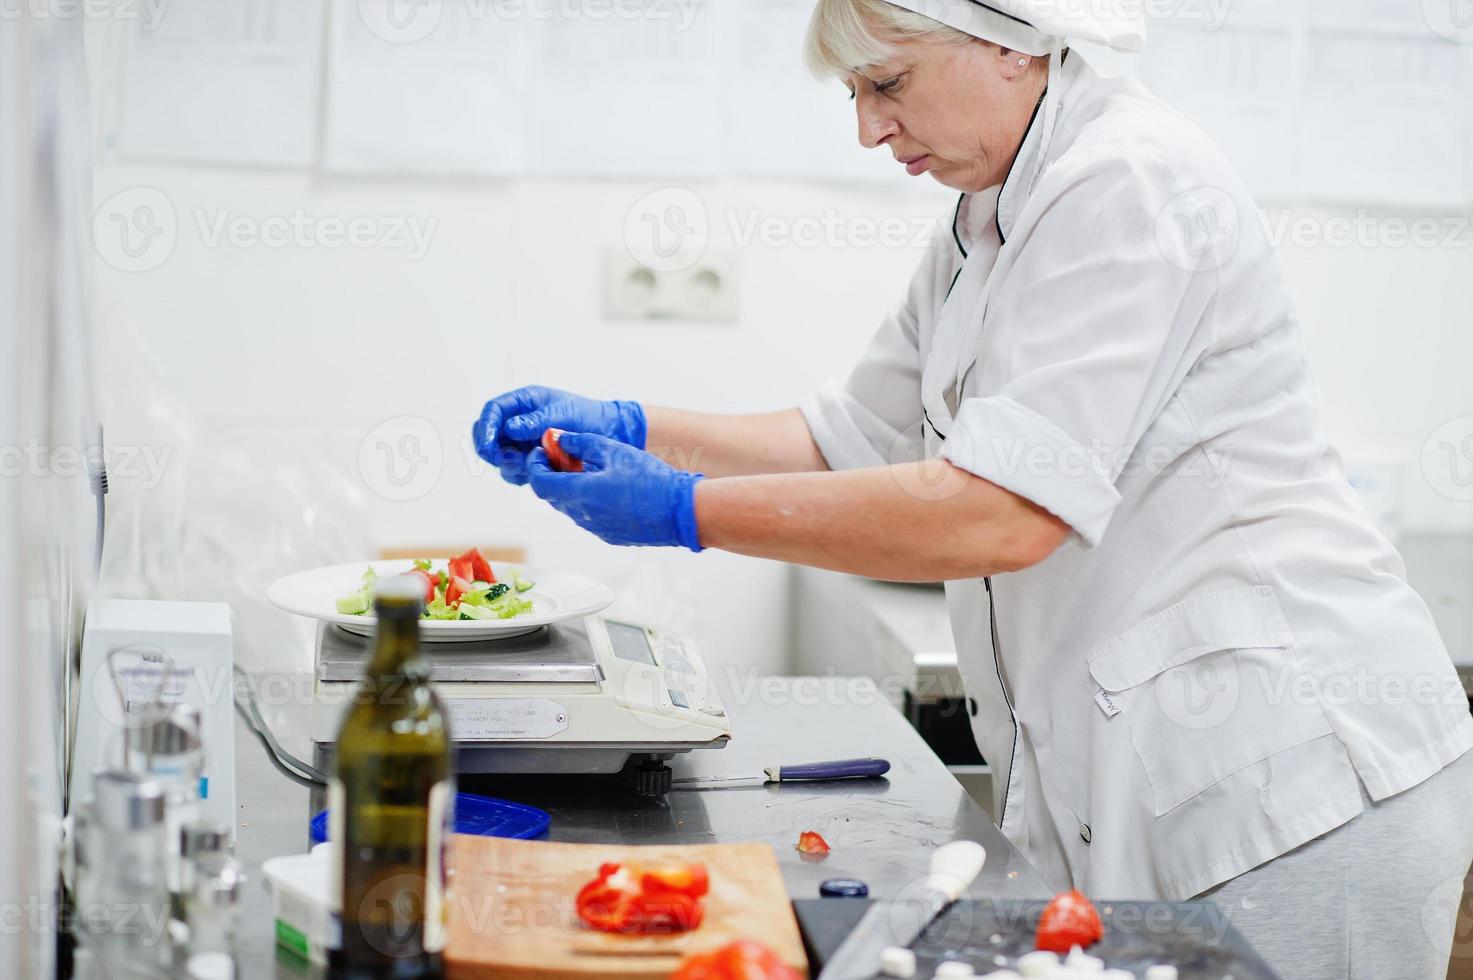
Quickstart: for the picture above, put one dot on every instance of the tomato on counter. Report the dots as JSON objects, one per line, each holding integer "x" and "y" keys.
{"x": 812, "y": 842}
{"x": 741, "y": 960}
{"x": 1069, "y": 920}
{"x": 645, "y": 900}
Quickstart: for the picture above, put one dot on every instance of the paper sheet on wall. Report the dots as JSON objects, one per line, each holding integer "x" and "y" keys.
{"x": 231, "y": 82}
{"x": 628, "y": 89}
{"x": 427, "y": 87}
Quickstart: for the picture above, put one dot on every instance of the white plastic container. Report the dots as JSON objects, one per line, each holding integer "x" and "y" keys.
{"x": 301, "y": 887}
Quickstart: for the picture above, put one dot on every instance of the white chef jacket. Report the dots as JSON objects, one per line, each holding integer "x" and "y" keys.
{"x": 1224, "y": 651}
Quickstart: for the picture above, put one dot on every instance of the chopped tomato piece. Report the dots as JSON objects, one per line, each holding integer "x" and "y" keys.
{"x": 429, "y": 583}
{"x": 1069, "y": 920}
{"x": 557, "y": 456}
{"x": 812, "y": 842}
{"x": 460, "y": 567}
{"x": 480, "y": 566}
{"x": 458, "y": 587}
{"x": 741, "y": 960}
{"x": 655, "y": 900}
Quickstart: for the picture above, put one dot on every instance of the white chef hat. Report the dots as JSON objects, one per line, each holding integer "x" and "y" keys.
{"x": 1037, "y": 27}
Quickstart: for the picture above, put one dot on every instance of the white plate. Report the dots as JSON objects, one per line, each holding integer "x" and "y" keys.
{"x": 556, "y": 596}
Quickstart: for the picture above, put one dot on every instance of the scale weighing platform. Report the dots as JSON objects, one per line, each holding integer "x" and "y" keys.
{"x": 583, "y": 696}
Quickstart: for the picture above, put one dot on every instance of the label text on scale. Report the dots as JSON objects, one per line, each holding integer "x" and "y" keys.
{"x": 476, "y": 719}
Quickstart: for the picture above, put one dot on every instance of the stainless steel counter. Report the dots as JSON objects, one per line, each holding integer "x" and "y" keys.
{"x": 881, "y": 832}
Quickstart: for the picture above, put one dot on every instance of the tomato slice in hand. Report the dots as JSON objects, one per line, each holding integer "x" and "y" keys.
{"x": 741, "y": 960}
{"x": 1069, "y": 920}
{"x": 457, "y": 588}
{"x": 557, "y": 456}
{"x": 812, "y": 842}
{"x": 655, "y": 900}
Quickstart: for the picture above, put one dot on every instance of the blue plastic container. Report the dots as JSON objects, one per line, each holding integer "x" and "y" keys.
{"x": 479, "y": 815}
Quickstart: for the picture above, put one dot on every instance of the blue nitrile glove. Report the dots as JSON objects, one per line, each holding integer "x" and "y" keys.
{"x": 624, "y": 495}
{"x": 511, "y": 424}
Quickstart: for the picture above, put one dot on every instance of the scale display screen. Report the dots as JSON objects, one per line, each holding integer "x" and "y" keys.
{"x": 630, "y": 643}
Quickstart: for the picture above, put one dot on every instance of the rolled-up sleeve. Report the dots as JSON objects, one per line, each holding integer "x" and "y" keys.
{"x": 1087, "y": 338}
{"x": 871, "y": 418}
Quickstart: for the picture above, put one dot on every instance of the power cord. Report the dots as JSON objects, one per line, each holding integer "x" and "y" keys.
{"x": 289, "y": 765}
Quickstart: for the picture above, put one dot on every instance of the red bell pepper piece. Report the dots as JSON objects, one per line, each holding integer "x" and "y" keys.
{"x": 651, "y": 900}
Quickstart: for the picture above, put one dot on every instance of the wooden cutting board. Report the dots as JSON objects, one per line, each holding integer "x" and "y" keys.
{"x": 511, "y": 910}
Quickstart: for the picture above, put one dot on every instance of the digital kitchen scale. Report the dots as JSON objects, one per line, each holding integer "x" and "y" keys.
{"x": 588, "y": 695}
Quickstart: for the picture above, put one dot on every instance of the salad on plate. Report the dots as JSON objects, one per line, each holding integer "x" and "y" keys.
{"x": 465, "y": 588}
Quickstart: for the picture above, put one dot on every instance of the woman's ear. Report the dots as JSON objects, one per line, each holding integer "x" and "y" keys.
{"x": 1014, "y": 64}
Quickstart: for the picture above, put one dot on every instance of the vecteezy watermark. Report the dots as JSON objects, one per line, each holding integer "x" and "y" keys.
{"x": 43, "y": 916}
{"x": 149, "y": 12}
{"x": 831, "y": 229}
{"x": 1443, "y": 918}
{"x": 137, "y": 229}
{"x": 1200, "y": 229}
{"x": 124, "y": 462}
{"x": 408, "y": 21}
{"x": 1365, "y": 229}
{"x": 1207, "y": 692}
{"x": 302, "y": 229}
{"x": 667, "y": 230}
{"x": 1212, "y": 14}
{"x": 401, "y": 459}
{"x": 1450, "y": 19}
{"x": 1447, "y": 459}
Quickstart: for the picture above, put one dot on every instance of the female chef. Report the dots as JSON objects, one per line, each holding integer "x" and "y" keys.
{"x": 1200, "y": 670}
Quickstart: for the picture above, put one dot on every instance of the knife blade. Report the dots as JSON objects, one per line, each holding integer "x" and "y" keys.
{"x": 898, "y": 922}
{"x": 806, "y": 772}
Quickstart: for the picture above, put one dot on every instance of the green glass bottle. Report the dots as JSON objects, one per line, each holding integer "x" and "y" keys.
{"x": 390, "y": 802}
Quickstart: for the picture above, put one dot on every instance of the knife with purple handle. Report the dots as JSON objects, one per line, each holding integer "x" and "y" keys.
{"x": 807, "y": 772}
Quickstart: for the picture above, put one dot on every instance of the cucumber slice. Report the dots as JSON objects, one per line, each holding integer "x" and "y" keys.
{"x": 354, "y": 605}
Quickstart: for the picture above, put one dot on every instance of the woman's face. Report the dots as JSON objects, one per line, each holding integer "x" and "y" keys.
{"x": 956, "y": 111}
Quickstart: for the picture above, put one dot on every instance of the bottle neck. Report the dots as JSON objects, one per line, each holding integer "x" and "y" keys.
{"x": 396, "y": 650}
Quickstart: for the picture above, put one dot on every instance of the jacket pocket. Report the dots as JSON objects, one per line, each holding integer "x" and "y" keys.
{"x": 1206, "y": 688}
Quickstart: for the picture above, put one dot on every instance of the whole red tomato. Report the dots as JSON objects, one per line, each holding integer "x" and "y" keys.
{"x": 1069, "y": 920}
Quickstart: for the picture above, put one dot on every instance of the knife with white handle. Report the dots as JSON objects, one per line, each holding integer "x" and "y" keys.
{"x": 954, "y": 867}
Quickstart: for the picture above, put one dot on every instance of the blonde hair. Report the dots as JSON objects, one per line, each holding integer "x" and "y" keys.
{"x": 846, "y": 36}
